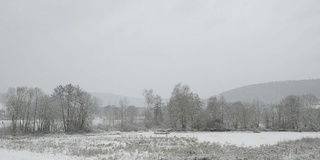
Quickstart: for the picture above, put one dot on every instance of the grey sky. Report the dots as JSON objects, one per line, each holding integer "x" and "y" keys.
{"x": 125, "y": 46}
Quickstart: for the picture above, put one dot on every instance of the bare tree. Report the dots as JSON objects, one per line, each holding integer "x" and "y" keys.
{"x": 123, "y": 115}
{"x": 77, "y": 106}
{"x": 213, "y": 114}
{"x": 158, "y": 109}
{"x": 155, "y": 104}
{"x": 38, "y": 94}
{"x": 149, "y": 100}
{"x": 132, "y": 113}
{"x": 181, "y": 106}
{"x": 292, "y": 106}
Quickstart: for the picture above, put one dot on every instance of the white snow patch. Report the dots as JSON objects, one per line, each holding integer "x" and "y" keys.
{"x": 5, "y": 123}
{"x": 245, "y": 139}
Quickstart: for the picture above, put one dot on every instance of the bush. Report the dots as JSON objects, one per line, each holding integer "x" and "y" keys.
{"x": 130, "y": 128}
{"x": 5, "y": 130}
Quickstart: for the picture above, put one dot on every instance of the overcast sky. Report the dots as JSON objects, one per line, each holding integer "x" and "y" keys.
{"x": 125, "y": 46}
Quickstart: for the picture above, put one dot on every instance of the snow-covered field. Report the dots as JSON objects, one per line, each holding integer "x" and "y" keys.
{"x": 246, "y": 139}
{"x": 6, "y": 154}
{"x": 145, "y": 145}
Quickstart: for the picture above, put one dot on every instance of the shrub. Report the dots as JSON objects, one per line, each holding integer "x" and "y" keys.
{"x": 5, "y": 130}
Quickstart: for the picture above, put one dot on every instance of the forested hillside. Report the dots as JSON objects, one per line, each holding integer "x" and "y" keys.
{"x": 273, "y": 92}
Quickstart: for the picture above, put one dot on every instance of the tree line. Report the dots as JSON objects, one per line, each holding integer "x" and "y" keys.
{"x": 186, "y": 111}
{"x": 71, "y": 109}
{"x": 68, "y": 109}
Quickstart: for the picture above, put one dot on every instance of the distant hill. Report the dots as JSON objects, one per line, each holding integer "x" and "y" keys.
{"x": 113, "y": 99}
{"x": 273, "y": 92}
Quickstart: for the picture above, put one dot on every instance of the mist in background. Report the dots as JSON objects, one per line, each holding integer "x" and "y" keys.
{"x": 123, "y": 47}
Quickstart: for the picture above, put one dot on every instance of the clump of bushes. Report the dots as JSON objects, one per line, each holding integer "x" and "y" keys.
{"x": 5, "y": 130}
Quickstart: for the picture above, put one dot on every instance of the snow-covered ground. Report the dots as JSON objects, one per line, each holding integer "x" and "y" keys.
{"x": 246, "y": 139}
{"x": 102, "y": 145}
{"x": 5, "y": 123}
{"x": 6, "y": 154}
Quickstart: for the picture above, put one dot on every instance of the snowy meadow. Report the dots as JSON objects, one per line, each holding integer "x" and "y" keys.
{"x": 176, "y": 145}
{"x": 240, "y": 139}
